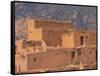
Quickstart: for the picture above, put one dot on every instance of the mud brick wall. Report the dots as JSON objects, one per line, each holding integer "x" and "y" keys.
{"x": 48, "y": 60}
{"x": 87, "y": 56}
{"x": 52, "y": 38}
{"x": 89, "y": 38}
{"x": 52, "y": 24}
{"x": 57, "y": 58}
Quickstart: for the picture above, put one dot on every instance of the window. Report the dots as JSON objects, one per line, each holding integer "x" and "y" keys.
{"x": 89, "y": 52}
{"x": 81, "y": 40}
{"x": 82, "y": 32}
{"x": 86, "y": 37}
{"x": 73, "y": 54}
{"x": 34, "y": 59}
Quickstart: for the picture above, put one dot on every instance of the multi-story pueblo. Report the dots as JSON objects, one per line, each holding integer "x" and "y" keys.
{"x": 52, "y": 45}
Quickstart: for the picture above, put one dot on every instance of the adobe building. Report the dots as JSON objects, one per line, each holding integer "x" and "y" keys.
{"x": 62, "y": 33}
{"x": 55, "y": 46}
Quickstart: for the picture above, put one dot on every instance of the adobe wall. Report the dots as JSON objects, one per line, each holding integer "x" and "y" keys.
{"x": 46, "y": 60}
{"x": 49, "y": 31}
{"x": 68, "y": 40}
{"x": 87, "y": 55}
{"x": 35, "y": 34}
{"x": 61, "y": 58}
{"x": 52, "y": 38}
{"x": 47, "y": 24}
{"x": 89, "y": 38}
{"x": 32, "y": 32}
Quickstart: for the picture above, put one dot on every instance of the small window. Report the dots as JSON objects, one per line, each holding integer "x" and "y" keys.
{"x": 57, "y": 54}
{"x": 86, "y": 37}
{"x": 81, "y": 40}
{"x": 34, "y": 59}
{"x": 73, "y": 54}
{"x": 93, "y": 47}
{"x": 33, "y": 45}
{"x": 89, "y": 52}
